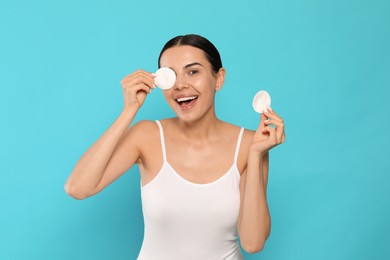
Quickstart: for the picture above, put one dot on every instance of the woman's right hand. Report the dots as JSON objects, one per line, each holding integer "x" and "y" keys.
{"x": 135, "y": 88}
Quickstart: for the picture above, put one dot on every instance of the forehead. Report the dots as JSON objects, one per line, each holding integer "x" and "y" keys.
{"x": 179, "y": 56}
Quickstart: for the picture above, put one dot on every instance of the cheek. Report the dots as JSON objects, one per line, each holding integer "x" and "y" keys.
{"x": 202, "y": 84}
{"x": 196, "y": 82}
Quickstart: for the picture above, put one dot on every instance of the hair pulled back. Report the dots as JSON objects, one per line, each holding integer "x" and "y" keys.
{"x": 199, "y": 42}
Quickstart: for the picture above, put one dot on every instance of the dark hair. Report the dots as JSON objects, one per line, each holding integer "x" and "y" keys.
{"x": 199, "y": 42}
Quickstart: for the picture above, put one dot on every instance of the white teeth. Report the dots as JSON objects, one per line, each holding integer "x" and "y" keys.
{"x": 185, "y": 99}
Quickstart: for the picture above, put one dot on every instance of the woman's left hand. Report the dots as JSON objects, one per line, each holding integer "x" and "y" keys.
{"x": 267, "y": 137}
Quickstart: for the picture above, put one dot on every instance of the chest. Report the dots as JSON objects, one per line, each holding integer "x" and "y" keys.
{"x": 203, "y": 164}
{"x": 200, "y": 163}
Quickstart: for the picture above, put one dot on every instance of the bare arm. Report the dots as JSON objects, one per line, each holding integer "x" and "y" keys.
{"x": 94, "y": 171}
{"x": 243, "y": 183}
{"x": 89, "y": 170}
{"x": 254, "y": 224}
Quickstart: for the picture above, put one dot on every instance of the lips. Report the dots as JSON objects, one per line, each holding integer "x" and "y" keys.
{"x": 186, "y": 102}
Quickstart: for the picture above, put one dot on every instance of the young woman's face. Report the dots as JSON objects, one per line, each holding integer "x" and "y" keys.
{"x": 192, "y": 96}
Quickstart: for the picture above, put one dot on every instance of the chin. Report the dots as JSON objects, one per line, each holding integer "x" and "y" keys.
{"x": 192, "y": 117}
{"x": 188, "y": 118}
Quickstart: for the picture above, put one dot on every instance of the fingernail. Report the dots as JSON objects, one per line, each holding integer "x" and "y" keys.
{"x": 265, "y": 110}
{"x": 266, "y": 121}
{"x": 270, "y": 108}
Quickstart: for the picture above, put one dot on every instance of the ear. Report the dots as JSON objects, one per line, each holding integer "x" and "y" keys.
{"x": 220, "y": 79}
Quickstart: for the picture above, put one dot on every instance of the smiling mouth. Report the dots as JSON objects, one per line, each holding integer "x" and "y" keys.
{"x": 186, "y": 99}
{"x": 186, "y": 102}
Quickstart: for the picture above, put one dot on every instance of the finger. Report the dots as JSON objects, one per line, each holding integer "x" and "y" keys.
{"x": 263, "y": 117}
{"x": 137, "y": 88}
{"x": 147, "y": 79}
{"x": 261, "y": 124}
{"x": 273, "y": 122}
{"x": 139, "y": 78}
{"x": 144, "y": 87}
{"x": 143, "y": 72}
{"x": 134, "y": 74}
{"x": 273, "y": 115}
{"x": 279, "y": 128}
{"x": 280, "y": 134}
{"x": 272, "y": 134}
{"x": 149, "y": 75}
{"x": 270, "y": 112}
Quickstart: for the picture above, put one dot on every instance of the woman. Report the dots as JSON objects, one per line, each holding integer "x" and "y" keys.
{"x": 203, "y": 181}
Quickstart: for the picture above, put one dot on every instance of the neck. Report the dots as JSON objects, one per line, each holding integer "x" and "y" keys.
{"x": 202, "y": 128}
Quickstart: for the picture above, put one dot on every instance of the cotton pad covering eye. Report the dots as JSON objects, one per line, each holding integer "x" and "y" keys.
{"x": 165, "y": 78}
{"x": 261, "y": 101}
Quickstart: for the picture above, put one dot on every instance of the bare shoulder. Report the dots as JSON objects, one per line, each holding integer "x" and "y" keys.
{"x": 247, "y": 135}
{"x": 143, "y": 126}
{"x": 142, "y": 135}
{"x": 141, "y": 138}
{"x": 246, "y": 141}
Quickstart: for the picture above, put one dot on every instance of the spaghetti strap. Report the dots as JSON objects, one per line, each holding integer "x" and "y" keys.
{"x": 162, "y": 140}
{"x": 238, "y": 145}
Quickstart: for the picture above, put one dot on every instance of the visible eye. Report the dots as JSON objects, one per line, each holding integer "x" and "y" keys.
{"x": 193, "y": 72}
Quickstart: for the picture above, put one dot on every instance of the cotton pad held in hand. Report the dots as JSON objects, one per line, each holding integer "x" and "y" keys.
{"x": 261, "y": 101}
{"x": 165, "y": 78}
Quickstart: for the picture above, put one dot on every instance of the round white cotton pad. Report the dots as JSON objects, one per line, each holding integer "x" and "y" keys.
{"x": 165, "y": 78}
{"x": 261, "y": 101}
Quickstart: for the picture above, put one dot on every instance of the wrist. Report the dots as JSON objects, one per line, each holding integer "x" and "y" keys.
{"x": 256, "y": 152}
{"x": 130, "y": 111}
{"x": 255, "y": 157}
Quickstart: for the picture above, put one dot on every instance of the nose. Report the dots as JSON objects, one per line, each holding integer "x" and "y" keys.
{"x": 180, "y": 82}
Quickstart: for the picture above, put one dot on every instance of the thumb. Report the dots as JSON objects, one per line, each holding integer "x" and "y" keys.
{"x": 262, "y": 119}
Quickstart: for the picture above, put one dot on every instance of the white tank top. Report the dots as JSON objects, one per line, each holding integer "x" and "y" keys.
{"x": 190, "y": 221}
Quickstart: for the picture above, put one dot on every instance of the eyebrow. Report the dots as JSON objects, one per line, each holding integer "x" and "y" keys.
{"x": 189, "y": 65}
{"x": 192, "y": 64}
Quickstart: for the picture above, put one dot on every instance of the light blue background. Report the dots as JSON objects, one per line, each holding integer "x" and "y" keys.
{"x": 326, "y": 65}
